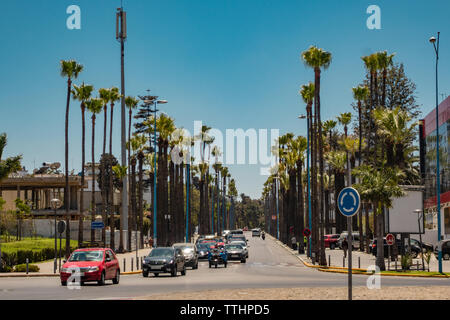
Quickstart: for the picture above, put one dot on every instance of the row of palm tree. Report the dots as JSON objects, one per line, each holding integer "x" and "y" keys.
{"x": 382, "y": 144}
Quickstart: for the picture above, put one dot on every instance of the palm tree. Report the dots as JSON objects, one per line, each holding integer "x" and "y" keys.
{"x": 9, "y": 165}
{"x": 307, "y": 92}
{"x": 70, "y": 69}
{"x": 384, "y": 62}
{"x": 114, "y": 96}
{"x": 131, "y": 103}
{"x": 318, "y": 59}
{"x": 94, "y": 105}
{"x": 336, "y": 160}
{"x": 82, "y": 94}
{"x": 380, "y": 186}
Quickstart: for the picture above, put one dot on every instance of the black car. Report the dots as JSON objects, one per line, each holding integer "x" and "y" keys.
{"x": 235, "y": 252}
{"x": 415, "y": 250}
{"x": 164, "y": 260}
{"x": 190, "y": 254}
{"x": 425, "y": 246}
{"x": 203, "y": 250}
{"x": 445, "y": 250}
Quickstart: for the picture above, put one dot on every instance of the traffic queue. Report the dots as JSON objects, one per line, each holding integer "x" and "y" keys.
{"x": 101, "y": 264}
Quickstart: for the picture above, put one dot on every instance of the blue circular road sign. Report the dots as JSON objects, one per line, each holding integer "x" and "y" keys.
{"x": 349, "y": 201}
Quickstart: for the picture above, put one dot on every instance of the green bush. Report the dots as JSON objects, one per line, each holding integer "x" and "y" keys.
{"x": 406, "y": 261}
{"x": 23, "y": 268}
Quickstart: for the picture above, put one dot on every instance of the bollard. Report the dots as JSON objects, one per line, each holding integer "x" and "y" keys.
{"x": 417, "y": 265}
{"x": 132, "y": 264}
{"x": 396, "y": 258}
{"x": 343, "y": 262}
{"x": 27, "y": 264}
{"x": 359, "y": 262}
{"x": 137, "y": 263}
{"x": 329, "y": 260}
{"x": 124, "y": 265}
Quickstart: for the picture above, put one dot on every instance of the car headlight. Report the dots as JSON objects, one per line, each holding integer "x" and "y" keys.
{"x": 93, "y": 269}
{"x": 171, "y": 261}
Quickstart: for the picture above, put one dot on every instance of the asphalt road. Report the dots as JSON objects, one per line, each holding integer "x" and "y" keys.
{"x": 269, "y": 266}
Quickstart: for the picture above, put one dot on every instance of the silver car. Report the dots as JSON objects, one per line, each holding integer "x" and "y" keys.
{"x": 235, "y": 252}
{"x": 189, "y": 251}
{"x": 244, "y": 246}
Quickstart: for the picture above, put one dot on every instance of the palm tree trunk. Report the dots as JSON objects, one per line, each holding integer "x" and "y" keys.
{"x": 380, "y": 245}
{"x": 134, "y": 214}
{"x": 111, "y": 187}
{"x": 172, "y": 202}
{"x": 67, "y": 190}
{"x": 93, "y": 178}
{"x": 83, "y": 154}
{"x": 141, "y": 197}
{"x": 104, "y": 187}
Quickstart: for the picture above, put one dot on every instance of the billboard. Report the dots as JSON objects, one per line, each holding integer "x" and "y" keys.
{"x": 402, "y": 218}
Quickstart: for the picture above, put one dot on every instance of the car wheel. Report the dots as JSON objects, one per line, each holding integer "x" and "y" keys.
{"x": 145, "y": 274}
{"x": 183, "y": 272}
{"x": 413, "y": 254}
{"x": 215, "y": 265}
{"x": 116, "y": 278}
{"x": 101, "y": 282}
{"x": 196, "y": 266}
{"x": 243, "y": 261}
{"x": 174, "y": 271}
{"x": 446, "y": 256}
{"x": 156, "y": 274}
{"x": 64, "y": 283}
{"x": 210, "y": 265}
{"x": 225, "y": 264}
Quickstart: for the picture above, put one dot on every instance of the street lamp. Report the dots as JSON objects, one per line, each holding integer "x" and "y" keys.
{"x": 55, "y": 204}
{"x": 155, "y": 102}
{"x": 438, "y": 184}
{"x": 308, "y": 177}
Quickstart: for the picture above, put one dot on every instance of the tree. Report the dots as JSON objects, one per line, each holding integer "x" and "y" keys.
{"x": 70, "y": 69}
{"x": 9, "y": 165}
{"x": 94, "y": 105}
{"x": 380, "y": 186}
{"x": 318, "y": 59}
{"x": 82, "y": 94}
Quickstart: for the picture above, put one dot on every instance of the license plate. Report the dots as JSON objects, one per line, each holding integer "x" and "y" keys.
{"x": 156, "y": 267}
{"x": 235, "y": 256}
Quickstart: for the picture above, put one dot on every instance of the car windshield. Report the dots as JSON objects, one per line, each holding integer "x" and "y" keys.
{"x": 233, "y": 247}
{"x": 241, "y": 243}
{"x": 86, "y": 256}
{"x": 163, "y": 252}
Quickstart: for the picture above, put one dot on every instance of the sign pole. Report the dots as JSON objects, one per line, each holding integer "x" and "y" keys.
{"x": 350, "y": 245}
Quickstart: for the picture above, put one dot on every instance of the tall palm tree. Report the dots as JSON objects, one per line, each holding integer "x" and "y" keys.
{"x": 307, "y": 93}
{"x": 336, "y": 160}
{"x": 131, "y": 103}
{"x": 318, "y": 59}
{"x": 94, "y": 105}
{"x": 70, "y": 69}
{"x": 104, "y": 94}
{"x": 114, "y": 96}
{"x": 384, "y": 60}
{"x": 360, "y": 94}
{"x": 82, "y": 94}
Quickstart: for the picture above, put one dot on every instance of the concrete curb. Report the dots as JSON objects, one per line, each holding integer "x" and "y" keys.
{"x": 354, "y": 270}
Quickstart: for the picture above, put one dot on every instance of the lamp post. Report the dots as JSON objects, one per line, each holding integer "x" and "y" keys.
{"x": 278, "y": 212}
{"x": 308, "y": 177}
{"x": 55, "y": 204}
{"x": 438, "y": 183}
{"x": 155, "y": 102}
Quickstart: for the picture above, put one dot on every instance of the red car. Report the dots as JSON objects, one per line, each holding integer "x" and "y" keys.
{"x": 331, "y": 240}
{"x": 92, "y": 264}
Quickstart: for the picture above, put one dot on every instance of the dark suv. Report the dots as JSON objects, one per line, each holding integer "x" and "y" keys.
{"x": 164, "y": 260}
{"x": 445, "y": 249}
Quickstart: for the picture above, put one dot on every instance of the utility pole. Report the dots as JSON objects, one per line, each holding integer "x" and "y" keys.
{"x": 121, "y": 35}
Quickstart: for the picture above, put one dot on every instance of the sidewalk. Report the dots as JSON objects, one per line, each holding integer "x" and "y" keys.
{"x": 362, "y": 260}
{"x": 125, "y": 261}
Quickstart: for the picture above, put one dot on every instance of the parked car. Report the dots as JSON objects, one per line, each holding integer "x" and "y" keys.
{"x": 203, "y": 250}
{"x": 425, "y": 246}
{"x": 243, "y": 244}
{"x": 164, "y": 260}
{"x": 445, "y": 249}
{"x": 190, "y": 254}
{"x": 331, "y": 240}
{"x": 91, "y": 264}
{"x": 256, "y": 232}
{"x": 355, "y": 239}
{"x": 415, "y": 250}
{"x": 235, "y": 252}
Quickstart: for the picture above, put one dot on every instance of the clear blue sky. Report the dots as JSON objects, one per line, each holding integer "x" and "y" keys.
{"x": 232, "y": 64}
